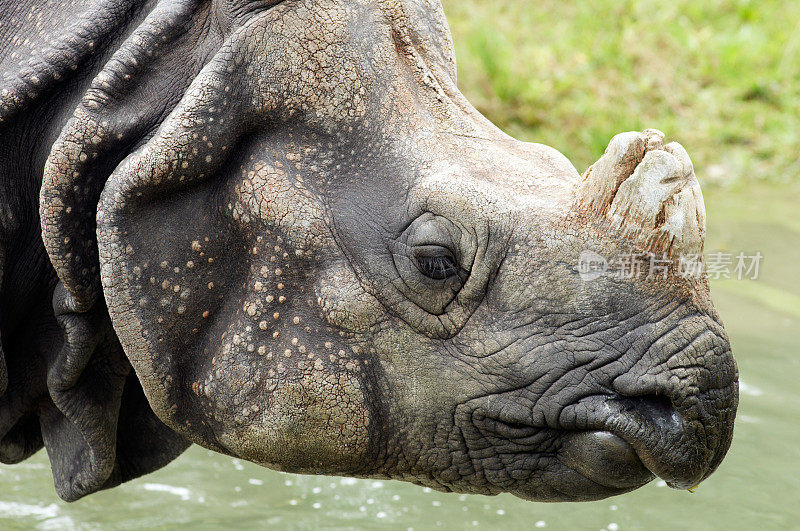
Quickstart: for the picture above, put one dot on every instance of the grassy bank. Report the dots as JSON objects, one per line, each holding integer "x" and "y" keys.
{"x": 720, "y": 76}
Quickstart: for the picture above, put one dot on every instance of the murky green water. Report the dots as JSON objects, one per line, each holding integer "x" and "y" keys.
{"x": 757, "y": 486}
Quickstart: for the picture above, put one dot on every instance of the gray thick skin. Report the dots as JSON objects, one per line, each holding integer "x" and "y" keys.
{"x": 262, "y": 178}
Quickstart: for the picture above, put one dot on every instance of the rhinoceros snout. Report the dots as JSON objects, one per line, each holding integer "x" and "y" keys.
{"x": 679, "y": 422}
{"x": 674, "y": 410}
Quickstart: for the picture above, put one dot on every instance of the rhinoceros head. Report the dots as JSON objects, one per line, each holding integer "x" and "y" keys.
{"x": 325, "y": 260}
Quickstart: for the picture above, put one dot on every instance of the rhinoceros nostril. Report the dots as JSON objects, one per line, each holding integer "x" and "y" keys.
{"x": 656, "y": 409}
{"x": 650, "y": 405}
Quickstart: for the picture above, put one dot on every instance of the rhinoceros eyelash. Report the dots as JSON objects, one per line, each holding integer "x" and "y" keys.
{"x": 437, "y": 267}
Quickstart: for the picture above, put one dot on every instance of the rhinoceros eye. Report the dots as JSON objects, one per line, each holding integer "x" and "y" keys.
{"x": 436, "y": 262}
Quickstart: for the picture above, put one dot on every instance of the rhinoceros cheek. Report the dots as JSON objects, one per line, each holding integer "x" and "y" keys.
{"x": 319, "y": 422}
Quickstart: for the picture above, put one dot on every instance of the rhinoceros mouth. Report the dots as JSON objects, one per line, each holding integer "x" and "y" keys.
{"x": 600, "y": 456}
{"x": 620, "y": 444}
{"x": 664, "y": 440}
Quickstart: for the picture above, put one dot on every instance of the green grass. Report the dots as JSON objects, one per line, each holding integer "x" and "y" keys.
{"x": 720, "y": 76}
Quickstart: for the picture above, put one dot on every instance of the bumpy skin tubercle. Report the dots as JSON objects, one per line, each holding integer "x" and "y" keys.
{"x": 278, "y": 230}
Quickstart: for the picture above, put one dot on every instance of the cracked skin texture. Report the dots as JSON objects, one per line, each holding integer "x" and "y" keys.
{"x": 239, "y": 204}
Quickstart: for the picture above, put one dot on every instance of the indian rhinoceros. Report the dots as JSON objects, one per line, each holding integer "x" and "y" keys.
{"x": 279, "y": 231}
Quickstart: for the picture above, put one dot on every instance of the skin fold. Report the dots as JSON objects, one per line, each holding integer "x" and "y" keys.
{"x": 279, "y": 231}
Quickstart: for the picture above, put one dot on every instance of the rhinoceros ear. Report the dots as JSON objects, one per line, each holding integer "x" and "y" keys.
{"x": 171, "y": 245}
{"x": 100, "y": 430}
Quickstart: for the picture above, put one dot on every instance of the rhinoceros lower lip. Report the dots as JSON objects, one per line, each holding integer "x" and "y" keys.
{"x": 604, "y": 458}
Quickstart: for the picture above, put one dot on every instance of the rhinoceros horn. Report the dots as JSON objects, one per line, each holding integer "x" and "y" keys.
{"x": 649, "y": 192}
